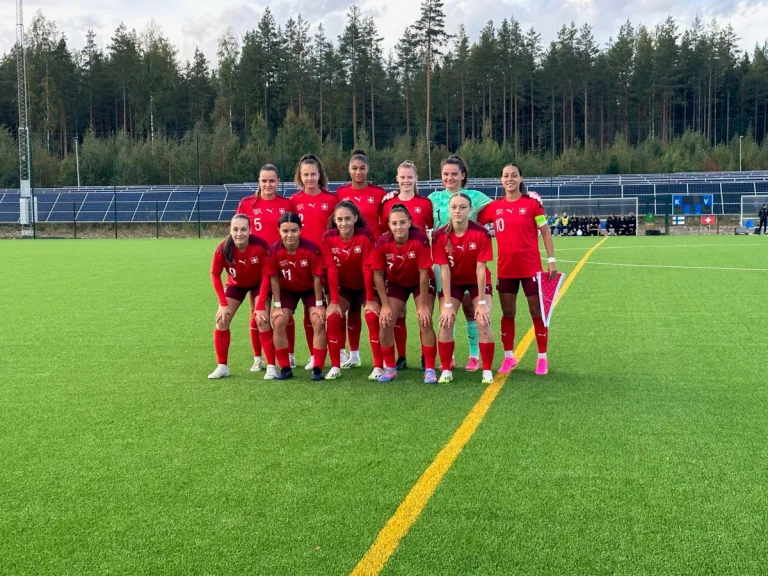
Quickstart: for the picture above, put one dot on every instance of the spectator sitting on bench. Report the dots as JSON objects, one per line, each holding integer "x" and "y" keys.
{"x": 562, "y": 228}
{"x": 611, "y": 225}
{"x": 593, "y": 228}
{"x": 631, "y": 224}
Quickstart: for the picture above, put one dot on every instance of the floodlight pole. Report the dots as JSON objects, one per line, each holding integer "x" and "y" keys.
{"x": 740, "y": 139}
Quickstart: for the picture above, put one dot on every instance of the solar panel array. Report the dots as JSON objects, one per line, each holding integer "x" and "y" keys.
{"x": 216, "y": 203}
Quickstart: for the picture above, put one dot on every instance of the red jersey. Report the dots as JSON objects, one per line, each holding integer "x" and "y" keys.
{"x": 314, "y": 212}
{"x": 264, "y": 215}
{"x": 348, "y": 261}
{"x": 517, "y": 235}
{"x": 419, "y": 207}
{"x": 401, "y": 264}
{"x": 473, "y": 247}
{"x": 295, "y": 271}
{"x": 368, "y": 201}
{"x": 245, "y": 270}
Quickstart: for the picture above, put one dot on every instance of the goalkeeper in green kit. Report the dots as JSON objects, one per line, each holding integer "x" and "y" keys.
{"x": 455, "y": 175}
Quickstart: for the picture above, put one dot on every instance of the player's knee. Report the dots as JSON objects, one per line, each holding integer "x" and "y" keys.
{"x": 508, "y": 314}
{"x": 318, "y": 321}
{"x": 279, "y": 322}
{"x": 262, "y": 324}
{"x": 485, "y": 334}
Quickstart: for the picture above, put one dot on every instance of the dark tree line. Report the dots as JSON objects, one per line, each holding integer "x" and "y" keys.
{"x": 437, "y": 86}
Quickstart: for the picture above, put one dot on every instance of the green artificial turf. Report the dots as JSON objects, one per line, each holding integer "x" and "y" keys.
{"x": 643, "y": 451}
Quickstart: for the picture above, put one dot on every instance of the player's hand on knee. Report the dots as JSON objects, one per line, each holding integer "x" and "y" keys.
{"x": 223, "y": 315}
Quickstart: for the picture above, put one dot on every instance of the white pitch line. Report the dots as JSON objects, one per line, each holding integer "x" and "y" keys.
{"x": 739, "y": 246}
{"x": 670, "y": 266}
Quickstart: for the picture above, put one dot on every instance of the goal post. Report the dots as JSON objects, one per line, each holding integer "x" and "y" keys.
{"x": 749, "y": 207}
{"x": 587, "y": 207}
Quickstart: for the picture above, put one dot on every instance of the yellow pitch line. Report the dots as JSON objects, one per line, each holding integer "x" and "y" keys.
{"x": 374, "y": 560}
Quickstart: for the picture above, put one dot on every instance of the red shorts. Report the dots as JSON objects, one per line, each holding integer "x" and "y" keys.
{"x": 512, "y": 286}
{"x": 290, "y": 300}
{"x": 356, "y": 298}
{"x": 239, "y": 293}
{"x": 459, "y": 290}
{"x": 403, "y": 292}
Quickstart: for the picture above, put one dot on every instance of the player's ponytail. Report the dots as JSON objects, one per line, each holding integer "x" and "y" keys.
{"x": 322, "y": 180}
{"x": 458, "y": 161}
{"x": 229, "y": 242}
{"x": 360, "y": 223}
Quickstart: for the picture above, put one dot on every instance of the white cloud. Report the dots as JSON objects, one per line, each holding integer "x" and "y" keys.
{"x": 196, "y": 23}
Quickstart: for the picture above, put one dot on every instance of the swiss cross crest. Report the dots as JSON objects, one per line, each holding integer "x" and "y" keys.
{"x": 303, "y": 263}
{"x": 472, "y": 246}
{"x": 523, "y": 211}
{"x": 500, "y": 211}
{"x": 370, "y": 199}
{"x": 411, "y": 254}
{"x": 334, "y": 250}
{"x": 300, "y": 207}
{"x": 390, "y": 256}
{"x": 358, "y": 249}
{"x": 257, "y": 211}
{"x": 282, "y": 210}
{"x": 323, "y": 206}
{"x": 417, "y": 210}
{"x": 255, "y": 260}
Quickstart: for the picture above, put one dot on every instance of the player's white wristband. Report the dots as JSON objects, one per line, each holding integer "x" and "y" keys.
{"x": 277, "y": 305}
{"x": 481, "y": 302}
{"x": 551, "y": 260}
{"x": 319, "y": 303}
{"x": 448, "y": 304}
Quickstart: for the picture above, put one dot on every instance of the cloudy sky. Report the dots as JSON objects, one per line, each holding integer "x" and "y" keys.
{"x": 191, "y": 23}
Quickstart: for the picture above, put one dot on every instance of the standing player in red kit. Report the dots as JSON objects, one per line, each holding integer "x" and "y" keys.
{"x": 347, "y": 247}
{"x": 403, "y": 259}
{"x": 295, "y": 270}
{"x": 461, "y": 248}
{"x": 420, "y": 209}
{"x": 314, "y": 205}
{"x": 517, "y": 219}
{"x": 263, "y": 209}
{"x": 368, "y": 198}
{"x": 242, "y": 255}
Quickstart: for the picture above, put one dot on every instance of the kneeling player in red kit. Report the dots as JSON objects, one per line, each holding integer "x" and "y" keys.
{"x": 242, "y": 255}
{"x": 295, "y": 269}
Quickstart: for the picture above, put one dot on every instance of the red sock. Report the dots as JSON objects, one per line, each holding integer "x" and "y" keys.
{"x": 343, "y": 333}
{"x": 319, "y": 357}
{"x": 429, "y": 353}
{"x": 282, "y": 357}
{"x": 309, "y": 332}
{"x": 333, "y": 327}
{"x": 389, "y": 356}
{"x": 290, "y": 332}
{"x": 255, "y": 341}
{"x": 446, "y": 354}
{"x": 373, "y": 336}
{"x": 354, "y": 327}
{"x": 221, "y": 345}
{"x": 542, "y": 334}
{"x": 487, "y": 350}
{"x": 269, "y": 346}
{"x": 401, "y": 337}
{"x": 508, "y": 333}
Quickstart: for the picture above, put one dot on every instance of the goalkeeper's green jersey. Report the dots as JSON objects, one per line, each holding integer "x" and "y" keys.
{"x": 441, "y": 199}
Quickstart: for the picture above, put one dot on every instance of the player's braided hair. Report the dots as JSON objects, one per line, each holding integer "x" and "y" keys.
{"x": 449, "y": 226}
{"x": 458, "y": 161}
{"x": 267, "y": 168}
{"x": 322, "y": 181}
{"x": 229, "y": 242}
{"x": 359, "y": 224}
